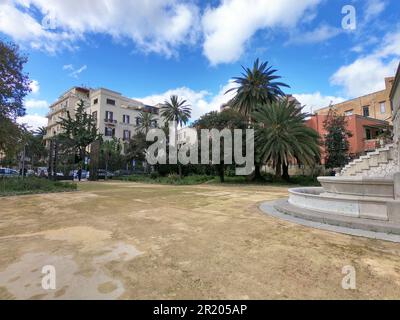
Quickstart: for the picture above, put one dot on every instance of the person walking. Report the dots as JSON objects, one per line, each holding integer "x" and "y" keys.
{"x": 79, "y": 174}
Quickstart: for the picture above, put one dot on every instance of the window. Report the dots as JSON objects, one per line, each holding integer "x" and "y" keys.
{"x": 127, "y": 135}
{"x": 111, "y": 102}
{"x": 96, "y": 101}
{"x": 109, "y": 132}
{"x": 383, "y": 107}
{"x": 109, "y": 116}
{"x": 348, "y": 113}
{"x": 126, "y": 119}
{"x": 366, "y": 111}
{"x": 137, "y": 121}
{"x": 94, "y": 115}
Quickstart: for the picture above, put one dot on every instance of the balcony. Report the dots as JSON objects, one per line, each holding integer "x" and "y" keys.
{"x": 110, "y": 121}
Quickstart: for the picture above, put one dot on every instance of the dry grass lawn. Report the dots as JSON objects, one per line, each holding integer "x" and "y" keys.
{"x": 121, "y": 240}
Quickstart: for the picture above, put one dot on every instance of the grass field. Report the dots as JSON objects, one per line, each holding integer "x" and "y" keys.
{"x": 122, "y": 240}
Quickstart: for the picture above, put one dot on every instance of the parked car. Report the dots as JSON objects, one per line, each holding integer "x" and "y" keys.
{"x": 102, "y": 174}
{"x": 42, "y": 172}
{"x": 6, "y": 172}
{"x": 85, "y": 174}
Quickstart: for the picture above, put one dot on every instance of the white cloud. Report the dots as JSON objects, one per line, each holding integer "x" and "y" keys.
{"x": 201, "y": 102}
{"x": 374, "y": 8}
{"x": 366, "y": 74}
{"x": 33, "y": 121}
{"x": 75, "y": 74}
{"x": 23, "y": 28}
{"x": 315, "y": 101}
{"x": 36, "y": 104}
{"x": 69, "y": 67}
{"x": 34, "y": 86}
{"x": 320, "y": 34}
{"x": 154, "y": 26}
{"x": 228, "y": 27}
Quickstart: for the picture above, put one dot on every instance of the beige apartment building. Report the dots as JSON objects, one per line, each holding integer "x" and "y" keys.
{"x": 116, "y": 116}
{"x": 374, "y": 105}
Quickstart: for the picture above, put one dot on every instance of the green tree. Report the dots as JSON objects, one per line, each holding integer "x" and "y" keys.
{"x": 228, "y": 119}
{"x": 136, "y": 148}
{"x": 78, "y": 131}
{"x": 179, "y": 111}
{"x": 35, "y": 146}
{"x": 14, "y": 86}
{"x": 146, "y": 121}
{"x": 111, "y": 154}
{"x": 336, "y": 140}
{"x": 256, "y": 88}
{"x": 14, "y": 83}
{"x": 282, "y": 135}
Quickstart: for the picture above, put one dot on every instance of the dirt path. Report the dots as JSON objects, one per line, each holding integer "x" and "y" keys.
{"x": 134, "y": 241}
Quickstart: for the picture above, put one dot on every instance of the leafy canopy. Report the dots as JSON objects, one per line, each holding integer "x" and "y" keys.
{"x": 79, "y": 131}
{"x": 281, "y": 134}
{"x": 256, "y": 87}
{"x": 14, "y": 83}
{"x": 336, "y": 140}
{"x": 176, "y": 110}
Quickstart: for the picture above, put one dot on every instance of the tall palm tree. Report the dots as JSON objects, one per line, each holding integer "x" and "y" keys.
{"x": 179, "y": 111}
{"x": 256, "y": 87}
{"x": 176, "y": 110}
{"x": 281, "y": 135}
{"x": 146, "y": 120}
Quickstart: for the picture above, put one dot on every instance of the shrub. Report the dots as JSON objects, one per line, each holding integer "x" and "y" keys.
{"x": 31, "y": 185}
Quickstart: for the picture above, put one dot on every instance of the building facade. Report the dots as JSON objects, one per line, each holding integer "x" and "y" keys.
{"x": 395, "y": 102}
{"x": 116, "y": 116}
{"x": 366, "y": 133}
{"x": 375, "y": 105}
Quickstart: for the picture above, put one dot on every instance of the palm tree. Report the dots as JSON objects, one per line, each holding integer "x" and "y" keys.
{"x": 146, "y": 120}
{"x": 281, "y": 135}
{"x": 256, "y": 87}
{"x": 179, "y": 111}
{"x": 176, "y": 110}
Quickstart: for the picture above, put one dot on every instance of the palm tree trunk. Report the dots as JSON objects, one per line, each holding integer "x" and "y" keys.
{"x": 278, "y": 169}
{"x": 257, "y": 172}
{"x": 285, "y": 172}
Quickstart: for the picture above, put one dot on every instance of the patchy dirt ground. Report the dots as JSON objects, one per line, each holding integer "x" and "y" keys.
{"x": 133, "y": 241}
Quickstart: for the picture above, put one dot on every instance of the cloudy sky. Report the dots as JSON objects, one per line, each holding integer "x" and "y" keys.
{"x": 150, "y": 49}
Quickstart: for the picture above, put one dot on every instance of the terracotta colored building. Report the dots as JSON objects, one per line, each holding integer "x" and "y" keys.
{"x": 374, "y": 105}
{"x": 365, "y": 133}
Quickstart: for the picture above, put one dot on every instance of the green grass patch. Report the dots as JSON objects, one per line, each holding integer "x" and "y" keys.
{"x": 173, "y": 179}
{"x": 32, "y": 185}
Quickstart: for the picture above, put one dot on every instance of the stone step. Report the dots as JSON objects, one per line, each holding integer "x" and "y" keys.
{"x": 350, "y": 222}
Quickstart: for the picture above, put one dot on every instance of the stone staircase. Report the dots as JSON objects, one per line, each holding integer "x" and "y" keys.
{"x": 379, "y": 163}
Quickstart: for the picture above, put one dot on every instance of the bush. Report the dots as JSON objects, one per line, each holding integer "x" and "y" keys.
{"x": 31, "y": 185}
{"x": 172, "y": 179}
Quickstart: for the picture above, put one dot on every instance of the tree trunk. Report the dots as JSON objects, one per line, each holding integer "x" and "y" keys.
{"x": 278, "y": 169}
{"x": 257, "y": 173}
{"x": 285, "y": 172}
{"x": 221, "y": 172}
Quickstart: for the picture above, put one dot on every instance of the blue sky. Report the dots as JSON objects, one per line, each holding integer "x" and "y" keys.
{"x": 151, "y": 49}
